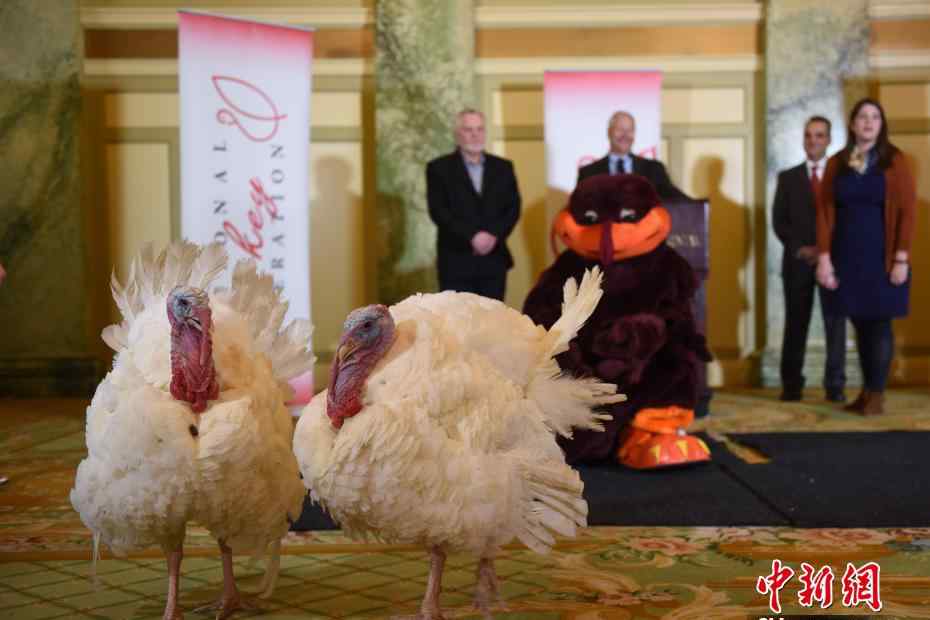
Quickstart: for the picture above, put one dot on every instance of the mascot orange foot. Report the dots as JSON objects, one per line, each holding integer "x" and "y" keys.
{"x": 657, "y": 438}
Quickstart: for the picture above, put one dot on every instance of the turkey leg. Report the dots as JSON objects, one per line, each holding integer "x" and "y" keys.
{"x": 429, "y": 610}
{"x": 487, "y": 592}
{"x": 174, "y": 573}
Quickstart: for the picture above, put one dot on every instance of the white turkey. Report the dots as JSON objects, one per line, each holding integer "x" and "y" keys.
{"x": 439, "y": 428}
{"x": 190, "y": 424}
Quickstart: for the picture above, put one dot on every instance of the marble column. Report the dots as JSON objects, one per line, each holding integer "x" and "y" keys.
{"x": 44, "y": 348}
{"x": 816, "y": 62}
{"x": 424, "y": 74}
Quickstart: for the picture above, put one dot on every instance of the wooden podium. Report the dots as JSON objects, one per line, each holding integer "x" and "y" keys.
{"x": 690, "y": 237}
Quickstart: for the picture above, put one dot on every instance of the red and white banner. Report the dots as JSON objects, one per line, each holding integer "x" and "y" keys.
{"x": 578, "y": 105}
{"x": 245, "y": 142}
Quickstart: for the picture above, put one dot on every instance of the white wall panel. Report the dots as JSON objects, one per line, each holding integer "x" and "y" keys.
{"x": 138, "y": 191}
{"x": 715, "y": 168}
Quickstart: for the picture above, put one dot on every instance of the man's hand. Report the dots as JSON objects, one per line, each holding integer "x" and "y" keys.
{"x": 808, "y": 254}
{"x": 483, "y": 242}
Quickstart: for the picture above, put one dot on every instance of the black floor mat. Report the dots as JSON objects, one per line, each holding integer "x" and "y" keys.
{"x": 840, "y": 479}
{"x": 812, "y": 480}
{"x": 697, "y": 495}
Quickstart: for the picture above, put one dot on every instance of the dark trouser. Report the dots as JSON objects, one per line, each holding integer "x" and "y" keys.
{"x": 799, "y": 284}
{"x": 488, "y": 286}
{"x": 875, "y": 341}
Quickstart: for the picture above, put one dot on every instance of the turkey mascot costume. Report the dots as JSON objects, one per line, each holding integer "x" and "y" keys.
{"x": 642, "y": 336}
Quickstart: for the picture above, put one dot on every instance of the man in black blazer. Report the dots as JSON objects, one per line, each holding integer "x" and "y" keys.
{"x": 474, "y": 201}
{"x": 621, "y": 132}
{"x": 794, "y": 220}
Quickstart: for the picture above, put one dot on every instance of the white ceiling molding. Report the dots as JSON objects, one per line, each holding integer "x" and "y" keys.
{"x": 900, "y": 59}
{"x": 676, "y": 64}
{"x": 140, "y": 18}
{"x": 620, "y": 14}
{"x": 899, "y": 9}
{"x": 168, "y": 67}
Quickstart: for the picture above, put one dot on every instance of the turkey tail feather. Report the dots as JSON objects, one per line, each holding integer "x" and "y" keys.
{"x": 578, "y": 305}
{"x": 95, "y": 557}
{"x": 254, "y": 295}
{"x": 152, "y": 277}
{"x": 567, "y": 402}
{"x": 556, "y": 504}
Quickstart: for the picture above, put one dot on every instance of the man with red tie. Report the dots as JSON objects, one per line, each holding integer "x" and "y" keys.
{"x": 794, "y": 220}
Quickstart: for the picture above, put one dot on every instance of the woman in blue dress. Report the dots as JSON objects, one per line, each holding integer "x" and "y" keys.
{"x": 865, "y": 221}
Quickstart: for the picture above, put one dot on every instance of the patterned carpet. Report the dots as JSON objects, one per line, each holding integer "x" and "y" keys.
{"x": 608, "y": 573}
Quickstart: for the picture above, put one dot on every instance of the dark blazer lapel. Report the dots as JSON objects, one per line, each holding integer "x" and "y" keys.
{"x": 600, "y": 166}
{"x": 804, "y": 184}
{"x": 488, "y": 176}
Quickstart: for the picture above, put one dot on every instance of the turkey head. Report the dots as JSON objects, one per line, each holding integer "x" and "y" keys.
{"x": 613, "y": 217}
{"x": 367, "y": 335}
{"x": 193, "y": 375}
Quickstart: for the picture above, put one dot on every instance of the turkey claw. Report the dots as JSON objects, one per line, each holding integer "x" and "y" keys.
{"x": 226, "y": 608}
{"x": 174, "y": 614}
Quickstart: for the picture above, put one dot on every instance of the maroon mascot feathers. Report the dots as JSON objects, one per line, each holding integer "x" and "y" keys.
{"x": 642, "y": 336}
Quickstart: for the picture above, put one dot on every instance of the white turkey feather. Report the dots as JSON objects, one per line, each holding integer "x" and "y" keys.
{"x": 455, "y": 445}
{"x": 153, "y": 465}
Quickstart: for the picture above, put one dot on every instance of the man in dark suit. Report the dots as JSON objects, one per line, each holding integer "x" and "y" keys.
{"x": 474, "y": 201}
{"x": 621, "y": 132}
{"x": 794, "y": 220}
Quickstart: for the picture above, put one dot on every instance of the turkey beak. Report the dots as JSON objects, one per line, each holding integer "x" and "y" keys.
{"x": 346, "y": 349}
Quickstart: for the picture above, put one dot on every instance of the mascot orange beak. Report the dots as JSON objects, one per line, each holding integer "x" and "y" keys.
{"x": 612, "y": 241}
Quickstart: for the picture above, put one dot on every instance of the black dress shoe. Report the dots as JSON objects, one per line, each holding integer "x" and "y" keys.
{"x": 836, "y": 396}
{"x": 789, "y": 396}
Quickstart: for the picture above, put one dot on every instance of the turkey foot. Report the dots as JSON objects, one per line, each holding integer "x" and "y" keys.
{"x": 231, "y": 600}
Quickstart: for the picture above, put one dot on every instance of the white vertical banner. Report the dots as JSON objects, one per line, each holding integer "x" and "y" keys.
{"x": 578, "y": 105}
{"x": 245, "y": 142}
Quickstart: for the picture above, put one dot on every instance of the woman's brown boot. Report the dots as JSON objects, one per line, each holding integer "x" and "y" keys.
{"x": 858, "y": 405}
{"x": 874, "y": 404}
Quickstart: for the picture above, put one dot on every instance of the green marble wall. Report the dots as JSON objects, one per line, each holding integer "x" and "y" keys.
{"x": 816, "y": 61}
{"x": 424, "y": 75}
{"x": 44, "y": 347}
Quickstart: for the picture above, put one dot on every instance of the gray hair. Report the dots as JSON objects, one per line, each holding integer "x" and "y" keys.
{"x": 465, "y": 112}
